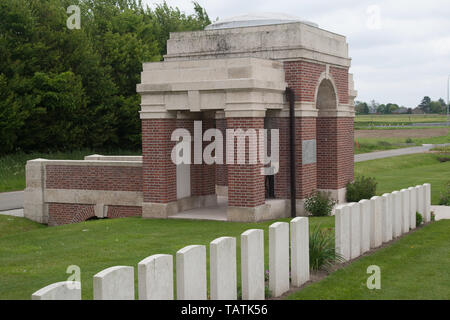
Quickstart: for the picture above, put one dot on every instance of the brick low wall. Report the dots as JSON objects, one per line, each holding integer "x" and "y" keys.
{"x": 65, "y": 191}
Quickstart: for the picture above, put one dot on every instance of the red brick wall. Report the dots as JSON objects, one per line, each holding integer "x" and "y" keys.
{"x": 340, "y": 77}
{"x": 334, "y": 152}
{"x": 221, "y": 169}
{"x": 112, "y": 178}
{"x": 302, "y": 77}
{"x": 245, "y": 181}
{"x": 63, "y": 213}
{"x": 123, "y": 211}
{"x": 159, "y": 172}
{"x": 346, "y": 151}
{"x": 306, "y": 182}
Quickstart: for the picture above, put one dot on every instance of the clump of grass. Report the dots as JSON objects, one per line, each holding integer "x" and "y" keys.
{"x": 444, "y": 199}
{"x": 419, "y": 219}
{"x": 322, "y": 253}
{"x": 361, "y": 188}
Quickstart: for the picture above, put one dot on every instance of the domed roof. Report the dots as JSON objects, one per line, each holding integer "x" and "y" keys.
{"x": 256, "y": 19}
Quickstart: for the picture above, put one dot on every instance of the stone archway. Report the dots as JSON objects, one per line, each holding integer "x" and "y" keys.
{"x": 327, "y": 136}
{"x": 326, "y": 98}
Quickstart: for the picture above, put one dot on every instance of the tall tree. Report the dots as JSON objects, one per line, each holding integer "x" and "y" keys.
{"x": 425, "y": 104}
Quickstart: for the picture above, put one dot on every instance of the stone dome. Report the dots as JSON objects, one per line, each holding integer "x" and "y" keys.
{"x": 256, "y": 19}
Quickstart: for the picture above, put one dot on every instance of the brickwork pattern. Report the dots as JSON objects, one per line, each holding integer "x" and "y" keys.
{"x": 334, "y": 152}
{"x": 159, "y": 172}
{"x": 306, "y": 175}
{"x": 245, "y": 181}
{"x": 112, "y": 178}
{"x": 340, "y": 77}
{"x": 123, "y": 211}
{"x": 64, "y": 213}
{"x": 302, "y": 77}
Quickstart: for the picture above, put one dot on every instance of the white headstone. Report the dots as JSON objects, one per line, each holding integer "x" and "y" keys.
{"x": 65, "y": 290}
{"x": 115, "y": 283}
{"x": 223, "y": 269}
{"x": 155, "y": 277}
{"x": 191, "y": 273}
{"x": 355, "y": 230}
{"x": 342, "y": 232}
{"x": 420, "y": 194}
{"x": 365, "y": 207}
{"x": 299, "y": 251}
{"x": 406, "y": 213}
{"x": 412, "y": 207}
{"x": 397, "y": 200}
{"x": 279, "y": 258}
{"x": 427, "y": 206}
{"x": 376, "y": 222}
{"x": 386, "y": 217}
{"x": 252, "y": 264}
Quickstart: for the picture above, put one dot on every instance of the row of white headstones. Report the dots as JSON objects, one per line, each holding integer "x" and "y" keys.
{"x": 155, "y": 273}
{"x": 367, "y": 224}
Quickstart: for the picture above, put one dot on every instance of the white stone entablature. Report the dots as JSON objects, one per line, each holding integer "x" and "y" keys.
{"x": 286, "y": 41}
{"x": 242, "y": 87}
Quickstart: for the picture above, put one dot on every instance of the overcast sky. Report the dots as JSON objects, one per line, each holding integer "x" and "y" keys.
{"x": 400, "y": 49}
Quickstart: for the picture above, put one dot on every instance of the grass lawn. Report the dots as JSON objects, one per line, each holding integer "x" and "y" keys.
{"x": 406, "y": 171}
{"x": 364, "y": 145}
{"x": 12, "y": 167}
{"x": 415, "y": 267}
{"x": 33, "y": 256}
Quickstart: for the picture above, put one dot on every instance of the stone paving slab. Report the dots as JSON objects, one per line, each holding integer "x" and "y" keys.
{"x": 14, "y": 213}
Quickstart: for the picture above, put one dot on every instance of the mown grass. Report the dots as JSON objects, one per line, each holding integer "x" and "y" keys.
{"x": 364, "y": 145}
{"x": 39, "y": 256}
{"x": 414, "y": 267}
{"x": 405, "y": 171}
{"x": 12, "y": 167}
{"x": 401, "y": 119}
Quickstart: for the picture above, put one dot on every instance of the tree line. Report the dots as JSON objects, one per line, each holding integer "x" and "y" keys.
{"x": 425, "y": 106}
{"x": 66, "y": 89}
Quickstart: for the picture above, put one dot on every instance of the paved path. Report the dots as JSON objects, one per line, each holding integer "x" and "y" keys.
{"x": 11, "y": 200}
{"x": 396, "y": 152}
{"x": 14, "y": 213}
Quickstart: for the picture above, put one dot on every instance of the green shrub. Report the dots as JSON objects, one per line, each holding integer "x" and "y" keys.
{"x": 419, "y": 219}
{"x": 444, "y": 199}
{"x": 319, "y": 204}
{"x": 361, "y": 188}
{"x": 409, "y": 140}
{"x": 322, "y": 254}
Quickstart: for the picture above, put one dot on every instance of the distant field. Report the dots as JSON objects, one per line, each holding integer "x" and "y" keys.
{"x": 378, "y": 140}
{"x": 398, "y": 119}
